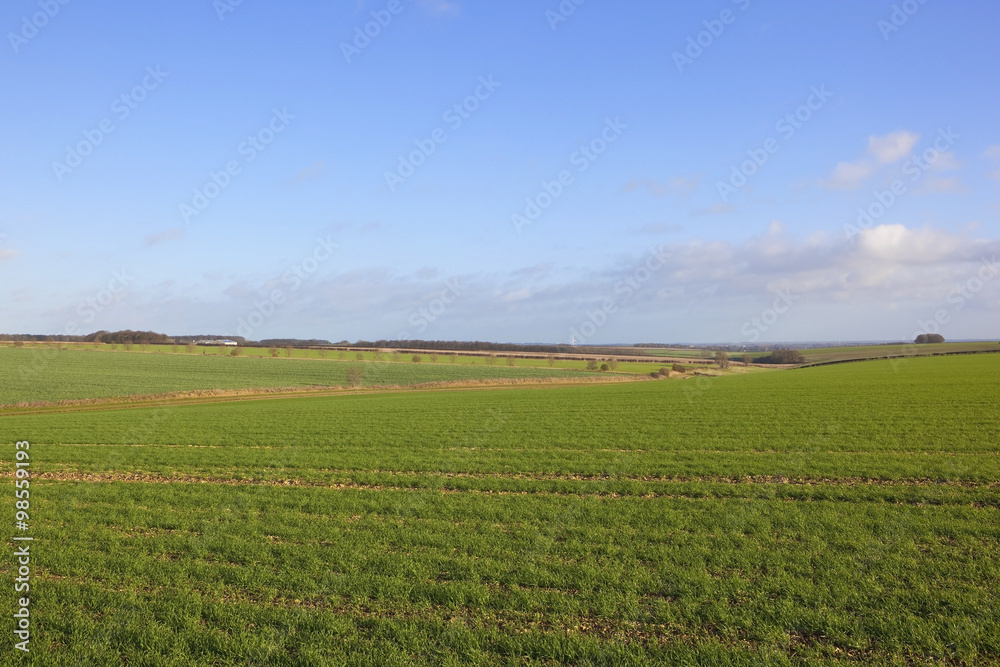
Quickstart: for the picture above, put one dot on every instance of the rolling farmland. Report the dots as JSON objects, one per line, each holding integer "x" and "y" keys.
{"x": 56, "y": 375}
{"x": 831, "y": 515}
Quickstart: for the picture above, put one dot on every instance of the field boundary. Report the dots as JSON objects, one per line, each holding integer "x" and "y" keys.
{"x": 203, "y": 396}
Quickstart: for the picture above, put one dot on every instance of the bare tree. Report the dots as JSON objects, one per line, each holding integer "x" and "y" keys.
{"x": 355, "y": 375}
{"x": 722, "y": 359}
{"x": 273, "y": 351}
{"x": 747, "y": 359}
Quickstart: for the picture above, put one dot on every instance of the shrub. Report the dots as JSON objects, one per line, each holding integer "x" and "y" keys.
{"x": 605, "y": 367}
{"x": 783, "y": 356}
{"x": 591, "y": 364}
{"x": 655, "y": 375}
{"x": 416, "y": 358}
{"x": 679, "y": 368}
{"x": 235, "y": 352}
{"x": 273, "y": 351}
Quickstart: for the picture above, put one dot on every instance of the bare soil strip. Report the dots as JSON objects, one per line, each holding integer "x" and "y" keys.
{"x": 153, "y": 478}
{"x": 229, "y": 395}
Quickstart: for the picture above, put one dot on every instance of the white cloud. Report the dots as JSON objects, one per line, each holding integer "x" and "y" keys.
{"x": 893, "y": 147}
{"x": 849, "y": 175}
{"x": 888, "y": 149}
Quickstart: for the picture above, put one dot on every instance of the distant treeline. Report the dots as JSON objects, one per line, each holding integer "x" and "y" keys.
{"x": 292, "y": 342}
{"x": 126, "y": 336}
{"x": 783, "y": 357}
{"x": 481, "y": 346}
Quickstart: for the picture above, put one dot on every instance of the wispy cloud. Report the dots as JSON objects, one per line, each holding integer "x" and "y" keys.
{"x": 163, "y": 237}
{"x": 720, "y": 208}
{"x": 993, "y": 153}
{"x": 881, "y": 151}
{"x": 310, "y": 173}
{"x": 681, "y": 186}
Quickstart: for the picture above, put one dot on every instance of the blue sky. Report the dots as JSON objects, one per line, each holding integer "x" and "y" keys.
{"x": 120, "y": 212}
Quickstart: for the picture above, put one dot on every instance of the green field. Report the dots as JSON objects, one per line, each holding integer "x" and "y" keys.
{"x": 858, "y": 352}
{"x": 843, "y": 514}
{"x": 51, "y": 374}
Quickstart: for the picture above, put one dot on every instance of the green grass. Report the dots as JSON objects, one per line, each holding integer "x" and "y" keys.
{"x": 860, "y": 352}
{"x": 838, "y": 514}
{"x": 50, "y": 374}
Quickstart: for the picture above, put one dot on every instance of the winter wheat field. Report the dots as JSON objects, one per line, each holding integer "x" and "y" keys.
{"x": 839, "y": 514}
